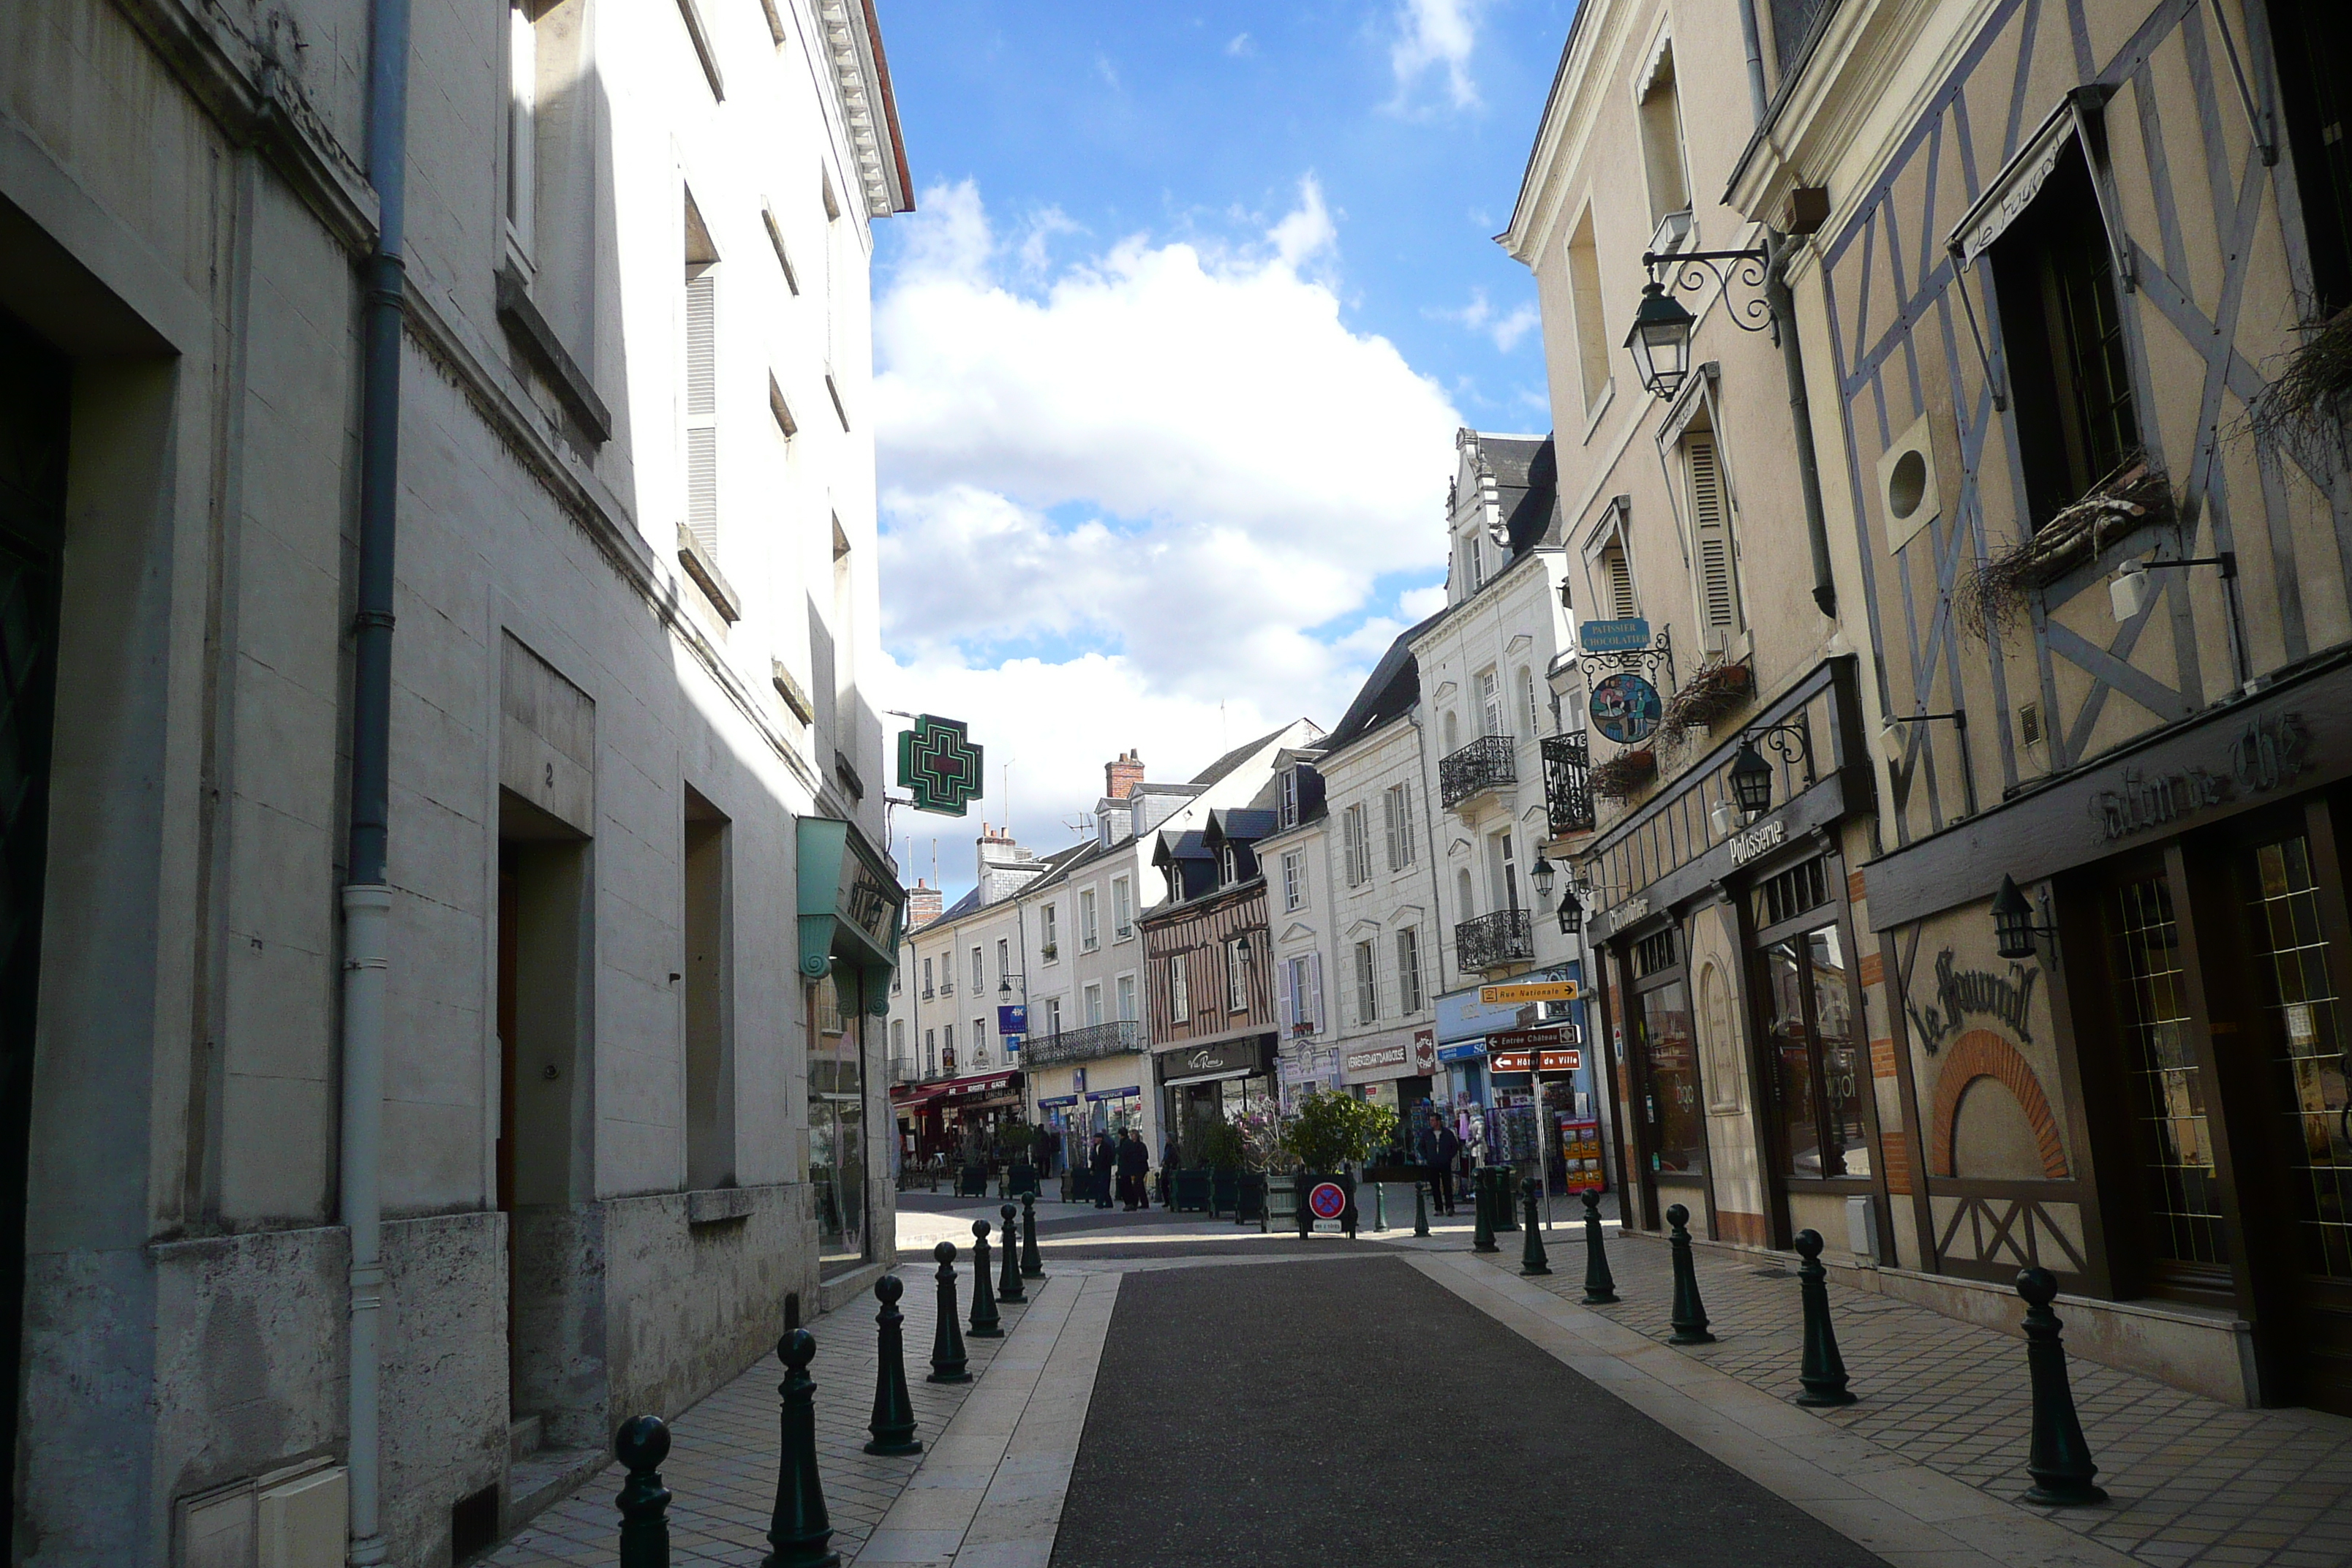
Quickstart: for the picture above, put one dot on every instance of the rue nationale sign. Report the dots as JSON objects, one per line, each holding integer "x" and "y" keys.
{"x": 1508, "y": 996}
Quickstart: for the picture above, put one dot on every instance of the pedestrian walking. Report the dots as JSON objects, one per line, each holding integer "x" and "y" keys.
{"x": 1134, "y": 1160}
{"x": 1102, "y": 1163}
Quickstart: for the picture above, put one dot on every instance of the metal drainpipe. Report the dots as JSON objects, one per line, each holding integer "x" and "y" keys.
{"x": 1756, "y": 97}
{"x": 367, "y": 897}
{"x": 1800, "y": 413}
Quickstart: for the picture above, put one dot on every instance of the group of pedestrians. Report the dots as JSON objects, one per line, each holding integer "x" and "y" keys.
{"x": 1130, "y": 1161}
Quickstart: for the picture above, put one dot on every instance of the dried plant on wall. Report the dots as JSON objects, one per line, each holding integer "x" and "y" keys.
{"x": 2307, "y": 409}
{"x": 1622, "y": 775}
{"x": 1988, "y": 600}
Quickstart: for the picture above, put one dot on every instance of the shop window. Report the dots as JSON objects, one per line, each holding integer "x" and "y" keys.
{"x": 2062, "y": 331}
{"x": 2306, "y": 1045}
{"x": 1791, "y": 893}
{"x": 2180, "y": 1195}
{"x": 1408, "y": 946}
{"x": 2313, "y": 42}
{"x": 1676, "y": 1135}
{"x": 1653, "y": 953}
{"x": 1817, "y": 1062}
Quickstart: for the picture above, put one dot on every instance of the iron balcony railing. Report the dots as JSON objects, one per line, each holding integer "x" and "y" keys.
{"x": 903, "y": 1070}
{"x": 1568, "y": 782}
{"x": 1119, "y": 1038}
{"x": 1507, "y": 936}
{"x": 1487, "y": 762}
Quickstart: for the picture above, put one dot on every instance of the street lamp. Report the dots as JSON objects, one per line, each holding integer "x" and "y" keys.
{"x": 2014, "y": 926}
{"x": 1543, "y": 874}
{"x": 1660, "y": 340}
{"x": 1572, "y": 912}
{"x": 1751, "y": 782}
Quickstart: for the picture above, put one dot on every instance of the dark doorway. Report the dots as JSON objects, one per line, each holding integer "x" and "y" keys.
{"x": 34, "y": 386}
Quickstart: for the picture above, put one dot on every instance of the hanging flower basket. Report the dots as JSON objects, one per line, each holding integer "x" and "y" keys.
{"x": 1990, "y": 598}
{"x": 1715, "y": 690}
{"x": 1623, "y": 775}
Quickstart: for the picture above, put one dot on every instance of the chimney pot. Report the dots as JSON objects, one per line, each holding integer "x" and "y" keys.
{"x": 1121, "y": 775}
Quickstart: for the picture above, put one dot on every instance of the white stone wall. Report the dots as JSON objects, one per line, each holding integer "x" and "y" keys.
{"x": 187, "y": 1312}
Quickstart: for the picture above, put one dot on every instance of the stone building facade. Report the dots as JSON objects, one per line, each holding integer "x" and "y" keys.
{"x": 513, "y": 1126}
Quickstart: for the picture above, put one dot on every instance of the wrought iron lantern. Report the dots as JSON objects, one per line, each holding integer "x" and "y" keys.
{"x": 1660, "y": 340}
{"x": 2014, "y": 926}
{"x": 1544, "y": 874}
{"x": 1572, "y": 912}
{"x": 1751, "y": 782}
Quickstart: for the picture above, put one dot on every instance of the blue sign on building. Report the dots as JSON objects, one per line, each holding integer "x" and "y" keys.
{"x": 1013, "y": 1019}
{"x": 1470, "y": 1052}
{"x": 1629, "y": 636}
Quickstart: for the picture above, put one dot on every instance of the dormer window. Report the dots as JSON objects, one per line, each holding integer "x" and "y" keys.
{"x": 1290, "y": 798}
{"x": 1230, "y": 864}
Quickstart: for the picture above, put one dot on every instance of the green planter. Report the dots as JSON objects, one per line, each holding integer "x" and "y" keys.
{"x": 1249, "y": 1197}
{"x": 1224, "y": 1190}
{"x": 1192, "y": 1192}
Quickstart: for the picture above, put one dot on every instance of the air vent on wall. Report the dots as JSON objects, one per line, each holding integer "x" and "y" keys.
{"x": 1909, "y": 494}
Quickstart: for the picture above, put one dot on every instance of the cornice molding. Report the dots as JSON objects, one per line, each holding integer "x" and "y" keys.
{"x": 861, "y": 81}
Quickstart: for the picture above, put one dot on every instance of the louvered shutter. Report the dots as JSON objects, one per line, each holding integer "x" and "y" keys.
{"x": 1618, "y": 570}
{"x": 1388, "y": 825}
{"x": 1314, "y": 1000}
{"x": 703, "y": 412}
{"x": 1718, "y": 593}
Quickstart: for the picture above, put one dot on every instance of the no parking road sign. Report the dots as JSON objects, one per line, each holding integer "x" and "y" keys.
{"x": 1327, "y": 1203}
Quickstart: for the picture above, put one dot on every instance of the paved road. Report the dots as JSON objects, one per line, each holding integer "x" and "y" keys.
{"x": 1308, "y": 1415}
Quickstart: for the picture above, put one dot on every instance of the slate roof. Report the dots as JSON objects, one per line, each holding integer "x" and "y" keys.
{"x": 1393, "y": 686}
{"x": 1215, "y": 772}
{"x": 1244, "y": 824}
{"x": 1526, "y": 477}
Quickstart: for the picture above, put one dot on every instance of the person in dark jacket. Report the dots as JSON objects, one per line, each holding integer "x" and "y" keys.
{"x": 1134, "y": 1164}
{"x": 1102, "y": 1162}
{"x": 1442, "y": 1150}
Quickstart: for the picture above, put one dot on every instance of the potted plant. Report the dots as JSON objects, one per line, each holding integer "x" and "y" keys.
{"x": 1021, "y": 1175}
{"x": 1330, "y": 1132}
{"x": 1222, "y": 1150}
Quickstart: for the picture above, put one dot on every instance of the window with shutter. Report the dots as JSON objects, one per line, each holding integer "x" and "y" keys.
{"x": 1389, "y": 823}
{"x": 1287, "y": 1002}
{"x": 1400, "y": 853}
{"x": 1314, "y": 1003}
{"x": 1617, "y": 581}
{"x": 702, "y": 410}
{"x": 1180, "y": 991}
{"x": 1719, "y": 589}
{"x": 1368, "y": 986}
{"x": 1408, "y": 943}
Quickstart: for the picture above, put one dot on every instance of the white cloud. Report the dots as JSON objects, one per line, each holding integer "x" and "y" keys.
{"x": 1240, "y": 46}
{"x": 1121, "y": 495}
{"x": 1435, "y": 35}
{"x": 1479, "y": 316}
{"x": 1417, "y": 605}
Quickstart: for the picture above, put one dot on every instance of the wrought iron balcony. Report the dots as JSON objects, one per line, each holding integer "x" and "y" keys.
{"x": 1119, "y": 1038}
{"x": 904, "y": 1071}
{"x": 1487, "y": 762}
{"x": 1568, "y": 782}
{"x": 1490, "y": 942}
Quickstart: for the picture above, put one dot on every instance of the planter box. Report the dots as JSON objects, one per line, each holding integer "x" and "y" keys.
{"x": 973, "y": 1183}
{"x": 1190, "y": 1192}
{"x": 1282, "y": 1200}
{"x": 1021, "y": 1178}
{"x": 1224, "y": 1190}
{"x": 1249, "y": 1198}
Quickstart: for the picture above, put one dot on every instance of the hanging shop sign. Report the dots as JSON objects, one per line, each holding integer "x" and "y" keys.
{"x": 1625, "y": 708}
{"x": 1512, "y": 994}
{"x": 1424, "y": 1050}
{"x": 938, "y": 765}
{"x": 1629, "y": 636}
{"x": 1130, "y": 1092}
{"x": 1201, "y": 1061}
{"x": 1468, "y": 1051}
{"x": 1057, "y": 1102}
{"x": 1012, "y": 1018}
{"x": 850, "y": 907}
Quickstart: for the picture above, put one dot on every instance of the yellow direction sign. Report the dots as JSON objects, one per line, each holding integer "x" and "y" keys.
{"x": 1526, "y": 991}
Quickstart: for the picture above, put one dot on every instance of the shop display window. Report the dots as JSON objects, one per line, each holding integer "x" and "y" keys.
{"x": 836, "y": 1112}
{"x": 2183, "y": 1201}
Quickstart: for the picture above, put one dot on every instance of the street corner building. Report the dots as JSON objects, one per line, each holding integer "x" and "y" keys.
{"x": 1962, "y": 464}
{"x": 446, "y": 934}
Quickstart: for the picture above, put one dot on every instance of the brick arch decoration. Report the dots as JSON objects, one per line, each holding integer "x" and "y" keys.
{"x": 1977, "y": 1054}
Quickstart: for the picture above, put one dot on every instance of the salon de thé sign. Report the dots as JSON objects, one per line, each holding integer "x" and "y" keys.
{"x": 2263, "y": 755}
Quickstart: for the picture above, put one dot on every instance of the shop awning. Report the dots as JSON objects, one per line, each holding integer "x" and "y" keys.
{"x": 1209, "y": 1077}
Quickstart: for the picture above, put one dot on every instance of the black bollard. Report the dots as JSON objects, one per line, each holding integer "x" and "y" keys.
{"x": 1379, "y": 1206}
{"x": 1032, "y": 1265}
{"x": 642, "y": 1444}
{"x": 1599, "y": 1286}
{"x": 947, "y": 1360}
{"x": 1531, "y": 1255}
{"x": 801, "y": 1526}
{"x": 1008, "y": 1279}
{"x": 1482, "y": 1210}
{"x": 893, "y": 1413}
{"x": 1823, "y": 1373}
{"x": 1506, "y": 1211}
{"x": 1420, "y": 1210}
{"x": 2060, "y": 1458}
{"x": 986, "y": 1323}
{"x": 1689, "y": 1315}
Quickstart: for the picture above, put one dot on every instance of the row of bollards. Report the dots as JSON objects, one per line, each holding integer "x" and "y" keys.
{"x": 800, "y": 1528}
{"x": 2059, "y": 1458}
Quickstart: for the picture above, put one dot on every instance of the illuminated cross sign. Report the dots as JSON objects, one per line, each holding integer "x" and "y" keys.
{"x": 938, "y": 766}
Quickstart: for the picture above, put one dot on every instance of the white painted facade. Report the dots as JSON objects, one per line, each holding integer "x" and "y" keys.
{"x": 610, "y": 734}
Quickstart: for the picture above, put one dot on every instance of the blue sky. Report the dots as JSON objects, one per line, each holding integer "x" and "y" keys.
{"x": 1168, "y": 362}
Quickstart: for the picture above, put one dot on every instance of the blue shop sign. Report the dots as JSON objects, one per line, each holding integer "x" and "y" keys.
{"x": 1469, "y": 1051}
{"x": 1112, "y": 1093}
{"x": 1012, "y": 1018}
{"x": 1057, "y": 1102}
{"x": 1629, "y": 636}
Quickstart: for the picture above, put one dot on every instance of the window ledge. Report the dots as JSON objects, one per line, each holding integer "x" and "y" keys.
{"x": 536, "y": 340}
{"x": 1601, "y": 406}
{"x": 705, "y": 573}
{"x": 789, "y": 687}
{"x": 716, "y": 1206}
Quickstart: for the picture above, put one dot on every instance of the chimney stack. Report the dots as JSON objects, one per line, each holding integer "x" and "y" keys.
{"x": 1121, "y": 777}
{"x": 923, "y": 905}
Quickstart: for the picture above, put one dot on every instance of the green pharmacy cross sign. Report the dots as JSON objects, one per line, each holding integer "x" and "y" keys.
{"x": 938, "y": 766}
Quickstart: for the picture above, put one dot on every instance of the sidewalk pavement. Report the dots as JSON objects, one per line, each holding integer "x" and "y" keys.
{"x": 2190, "y": 1480}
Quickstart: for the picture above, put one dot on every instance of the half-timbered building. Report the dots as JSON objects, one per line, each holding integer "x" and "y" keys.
{"x": 1208, "y": 972}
